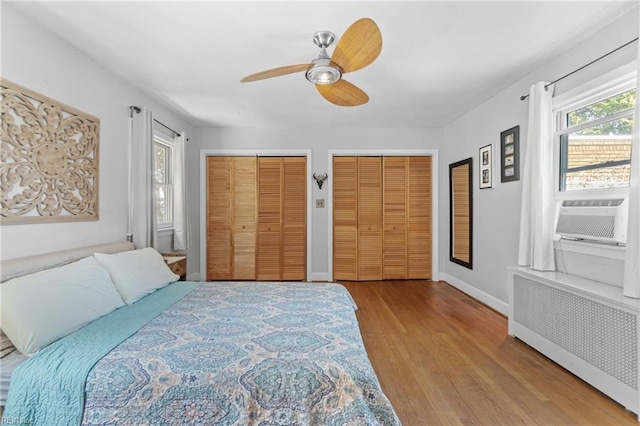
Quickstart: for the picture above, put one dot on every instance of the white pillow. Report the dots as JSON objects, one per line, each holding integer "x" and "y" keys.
{"x": 137, "y": 273}
{"x": 40, "y": 308}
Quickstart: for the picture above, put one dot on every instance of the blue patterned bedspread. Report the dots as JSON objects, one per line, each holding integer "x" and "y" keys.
{"x": 243, "y": 354}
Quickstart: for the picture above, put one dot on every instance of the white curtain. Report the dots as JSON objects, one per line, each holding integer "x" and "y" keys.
{"x": 143, "y": 206}
{"x": 130, "y": 177}
{"x": 181, "y": 234}
{"x": 631, "y": 284}
{"x": 537, "y": 215}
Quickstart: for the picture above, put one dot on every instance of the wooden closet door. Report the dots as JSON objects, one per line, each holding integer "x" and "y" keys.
{"x": 345, "y": 218}
{"x": 419, "y": 218}
{"x": 269, "y": 251}
{"x": 244, "y": 218}
{"x": 381, "y": 218}
{"x": 294, "y": 218}
{"x": 394, "y": 248}
{"x": 219, "y": 218}
{"x": 369, "y": 218}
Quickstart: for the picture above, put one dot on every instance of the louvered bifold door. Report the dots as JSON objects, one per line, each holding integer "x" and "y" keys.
{"x": 345, "y": 218}
{"x": 294, "y": 218}
{"x": 394, "y": 247}
{"x": 219, "y": 218}
{"x": 369, "y": 218}
{"x": 244, "y": 218}
{"x": 269, "y": 251}
{"x": 419, "y": 218}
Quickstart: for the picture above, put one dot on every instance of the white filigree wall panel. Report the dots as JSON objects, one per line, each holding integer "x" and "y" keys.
{"x": 49, "y": 159}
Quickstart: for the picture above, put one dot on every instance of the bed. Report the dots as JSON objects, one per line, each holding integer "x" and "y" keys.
{"x": 230, "y": 353}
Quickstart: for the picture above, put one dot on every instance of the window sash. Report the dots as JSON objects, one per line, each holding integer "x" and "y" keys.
{"x": 603, "y": 87}
{"x": 586, "y": 105}
{"x": 603, "y": 120}
{"x": 164, "y": 216}
{"x": 566, "y": 171}
{"x": 168, "y": 172}
{"x": 562, "y": 137}
{"x": 164, "y": 204}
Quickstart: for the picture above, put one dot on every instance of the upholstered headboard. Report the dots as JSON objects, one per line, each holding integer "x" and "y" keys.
{"x": 14, "y": 268}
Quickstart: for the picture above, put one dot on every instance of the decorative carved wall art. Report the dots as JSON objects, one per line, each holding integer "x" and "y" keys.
{"x": 49, "y": 159}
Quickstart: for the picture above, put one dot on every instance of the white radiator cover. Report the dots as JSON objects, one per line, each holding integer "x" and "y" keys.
{"x": 587, "y": 327}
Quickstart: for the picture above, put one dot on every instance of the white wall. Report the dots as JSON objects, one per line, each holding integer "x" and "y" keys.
{"x": 43, "y": 62}
{"x": 496, "y": 215}
{"x": 320, "y": 141}
{"x": 39, "y": 60}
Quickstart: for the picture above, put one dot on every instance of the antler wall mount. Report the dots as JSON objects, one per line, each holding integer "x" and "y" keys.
{"x": 320, "y": 178}
{"x": 358, "y": 47}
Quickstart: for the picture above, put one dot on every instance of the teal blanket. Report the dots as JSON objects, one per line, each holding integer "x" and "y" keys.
{"x": 49, "y": 388}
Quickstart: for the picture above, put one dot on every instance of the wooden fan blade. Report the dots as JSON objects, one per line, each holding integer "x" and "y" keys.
{"x": 359, "y": 46}
{"x": 276, "y": 72}
{"x": 343, "y": 93}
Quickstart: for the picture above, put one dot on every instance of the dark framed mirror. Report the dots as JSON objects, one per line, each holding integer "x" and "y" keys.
{"x": 461, "y": 212}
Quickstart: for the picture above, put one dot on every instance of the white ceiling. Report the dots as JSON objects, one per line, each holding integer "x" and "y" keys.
{"x": 438, "y": 61}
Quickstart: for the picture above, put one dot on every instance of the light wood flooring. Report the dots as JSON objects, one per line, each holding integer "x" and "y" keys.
{"x": 443, "y": 358}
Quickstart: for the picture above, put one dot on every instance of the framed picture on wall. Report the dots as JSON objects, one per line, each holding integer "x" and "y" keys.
{"x": 510, "y": 155}
{"x": 486, "y": 172}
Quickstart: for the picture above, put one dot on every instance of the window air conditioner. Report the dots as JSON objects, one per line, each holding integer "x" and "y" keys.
{"x": 597, "y": 220}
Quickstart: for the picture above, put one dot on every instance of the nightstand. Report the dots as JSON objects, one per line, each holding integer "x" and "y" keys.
{"x": 177, "y": 263}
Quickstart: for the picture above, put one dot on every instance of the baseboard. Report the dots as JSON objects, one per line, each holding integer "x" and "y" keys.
{"x": 319, "y": 276}
{"x": 193, "y": 277}
{"x": 483, "y": 297}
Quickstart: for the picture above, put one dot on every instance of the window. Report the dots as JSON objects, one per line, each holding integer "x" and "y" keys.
{"x": 595, "y": 135}
{"x": 163, "y": 176}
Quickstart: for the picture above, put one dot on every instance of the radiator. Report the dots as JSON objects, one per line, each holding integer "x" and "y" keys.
{"x": 588, "y": 328}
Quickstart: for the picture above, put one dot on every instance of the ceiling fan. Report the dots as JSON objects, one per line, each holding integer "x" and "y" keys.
{"x": 359, "y": 46}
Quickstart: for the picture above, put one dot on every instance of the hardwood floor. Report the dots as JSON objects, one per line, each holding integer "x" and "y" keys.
{"x": 443, "y": 358}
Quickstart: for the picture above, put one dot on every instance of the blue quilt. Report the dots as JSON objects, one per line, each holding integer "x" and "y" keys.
{"x": 242, "y": 353}
{"x": 49, "y": 388}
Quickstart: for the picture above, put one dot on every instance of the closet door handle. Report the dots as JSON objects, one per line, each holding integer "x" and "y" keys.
{"x": 395, "y": 227}
{"x": 369, "y": 228}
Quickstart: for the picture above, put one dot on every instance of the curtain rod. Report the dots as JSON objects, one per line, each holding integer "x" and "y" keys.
{"x": 523, "y": 97}
{"x": 167, "y": 127}
{"x": 137, "y": 110}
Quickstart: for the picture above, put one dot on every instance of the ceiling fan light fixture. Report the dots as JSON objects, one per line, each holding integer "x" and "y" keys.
{"x": 323, "y": 72}
{"x": 323, "y": 75}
